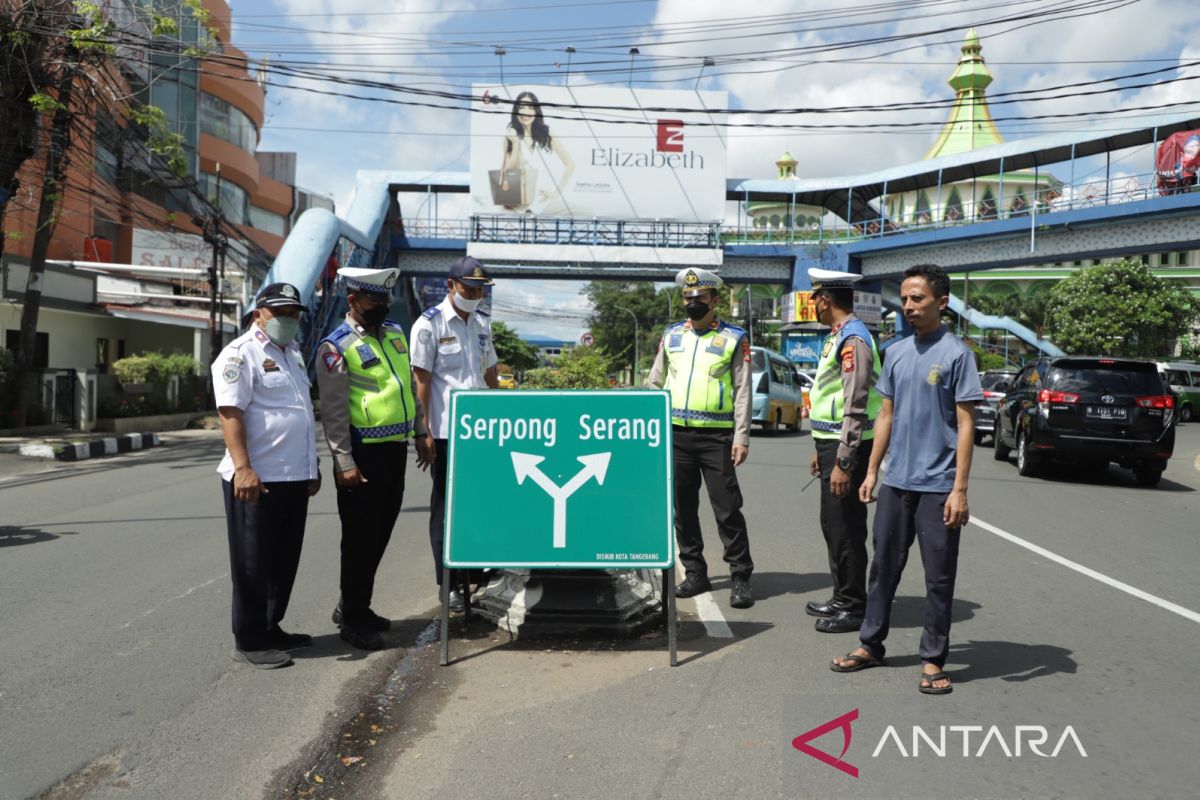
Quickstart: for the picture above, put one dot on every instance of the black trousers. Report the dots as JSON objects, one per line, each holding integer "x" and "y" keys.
{"x": 902, "y": 516}
{"x": 368, "y": 513}
{"x": 437, "y": 512}
{"x": 437, "y": 521}
{"x": 704, "y": 453}
{"x": 264, "y": 552}
{"x": 844, "y": 524}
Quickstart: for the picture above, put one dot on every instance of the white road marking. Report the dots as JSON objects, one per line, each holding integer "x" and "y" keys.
{"x": 1091, "y": 573}
{"x": 710, "y": 613}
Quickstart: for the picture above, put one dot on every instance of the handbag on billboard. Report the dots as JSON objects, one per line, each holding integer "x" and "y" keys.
{"x": 512, "y": 187}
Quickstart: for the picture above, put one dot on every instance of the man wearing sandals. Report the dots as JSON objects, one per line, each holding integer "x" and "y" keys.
{"x": 929, "y": 385}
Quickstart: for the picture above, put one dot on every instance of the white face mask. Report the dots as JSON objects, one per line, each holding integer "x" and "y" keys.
{"x": 464, "y": 304}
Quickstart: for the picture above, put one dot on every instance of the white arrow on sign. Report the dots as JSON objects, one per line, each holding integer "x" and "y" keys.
{"x": 595, "y": 466}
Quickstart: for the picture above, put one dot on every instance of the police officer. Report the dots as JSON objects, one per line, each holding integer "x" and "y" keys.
{"x": 268, "y": 473}
{"x": 842, "y": 417}
{"x": 370, "y": 411}
{"x": 705, "y": 364}
{"x": 451, "y": 349}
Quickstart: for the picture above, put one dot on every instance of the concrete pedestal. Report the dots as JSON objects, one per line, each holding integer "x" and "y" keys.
{"x": 572, "y": 602}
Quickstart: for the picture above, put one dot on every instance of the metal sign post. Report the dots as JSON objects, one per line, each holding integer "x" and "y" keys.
{"x": 560, "y": 480}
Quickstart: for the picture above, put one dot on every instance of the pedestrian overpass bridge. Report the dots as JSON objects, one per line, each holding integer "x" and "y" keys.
{"x": 1088, "y": 216}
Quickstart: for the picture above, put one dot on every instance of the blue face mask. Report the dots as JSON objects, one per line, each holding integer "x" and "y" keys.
{"x": 281, "y": 330}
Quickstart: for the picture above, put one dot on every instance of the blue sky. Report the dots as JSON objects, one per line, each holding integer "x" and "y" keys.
{"x": 444, "y": 45}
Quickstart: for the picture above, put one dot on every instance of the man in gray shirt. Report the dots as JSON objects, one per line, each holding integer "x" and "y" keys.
{"x": 930, "y": 385}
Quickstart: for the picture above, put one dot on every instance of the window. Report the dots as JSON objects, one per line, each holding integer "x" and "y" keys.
{"x": 758, "y": 361}
{"x": 41, "y": 350}
{"x": 1181, "y": 258}
{"x": 107, "y": 136}
{"x": 268, "y": 221}
{"x": 222, "y": 120}
{"x": 781, "y": 372}
{"x": 1164, "y": 259}
{"x": 102, "y": 361}
{"x": 233, "y": 201}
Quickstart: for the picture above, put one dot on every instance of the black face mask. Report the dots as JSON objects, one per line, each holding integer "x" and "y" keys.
{"x": 696, "y": 310}
{"x": 374, "y": 316}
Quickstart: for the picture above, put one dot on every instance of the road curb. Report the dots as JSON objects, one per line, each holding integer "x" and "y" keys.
{"x": 96, "y": 448}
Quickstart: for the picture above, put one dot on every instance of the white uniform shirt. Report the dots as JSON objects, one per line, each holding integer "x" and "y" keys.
{"x": 456, "y": 352}
{"x": 271, "y": 388}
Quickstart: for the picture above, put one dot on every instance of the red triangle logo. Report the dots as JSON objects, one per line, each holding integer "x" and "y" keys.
{"x": 801, "y": 742}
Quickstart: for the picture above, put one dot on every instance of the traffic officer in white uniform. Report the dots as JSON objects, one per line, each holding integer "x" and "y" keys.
{"x": 268, "y": 473}
{"x": 705, "y": 364}
{"x": 451, "y": 349}
{"x": 370, "y": 411}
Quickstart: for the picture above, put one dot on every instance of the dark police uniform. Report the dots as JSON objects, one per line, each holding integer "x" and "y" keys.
{"x": 370, "y": 411}
{"x": 270, "y": 385}
{"x": 844, "y": 407}
{"x": 708, "y": 374}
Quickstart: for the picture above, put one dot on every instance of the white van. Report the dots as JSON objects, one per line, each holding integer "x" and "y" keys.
{"x": 778, "y": 396}
{"x": 1184, "y": 380}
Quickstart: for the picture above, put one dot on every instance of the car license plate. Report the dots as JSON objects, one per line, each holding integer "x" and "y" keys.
{"x": 1119, "y": 413}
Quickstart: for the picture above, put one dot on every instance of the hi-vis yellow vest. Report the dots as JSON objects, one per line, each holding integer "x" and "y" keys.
{"x": 828, "y": 404}
{"x": 700, "y": 374}
{"x": 381, "y": 402}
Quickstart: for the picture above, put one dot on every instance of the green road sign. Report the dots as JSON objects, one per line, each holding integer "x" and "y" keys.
{"x": 560, "y": 479}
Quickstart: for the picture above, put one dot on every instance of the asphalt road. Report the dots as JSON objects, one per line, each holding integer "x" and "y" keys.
{"x": 115, "y": 669}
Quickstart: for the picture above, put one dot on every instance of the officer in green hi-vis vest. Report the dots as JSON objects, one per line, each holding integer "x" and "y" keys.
{"x": 370, "y": 411}
{"x": 844, "y": 405}
{"x": 705, "y": 364}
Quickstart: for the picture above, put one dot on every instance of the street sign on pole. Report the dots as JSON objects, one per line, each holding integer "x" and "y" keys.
{"x": 562, "y": 479}
{"x": 587, "y": 340}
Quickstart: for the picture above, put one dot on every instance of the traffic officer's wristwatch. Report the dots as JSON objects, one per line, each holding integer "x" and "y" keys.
{"x": 847, "y": 464}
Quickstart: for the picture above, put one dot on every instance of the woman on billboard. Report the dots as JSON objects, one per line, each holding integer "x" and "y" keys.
{"x": 527, "y": 140}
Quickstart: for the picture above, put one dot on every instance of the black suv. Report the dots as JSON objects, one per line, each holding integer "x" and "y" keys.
{"x": 1088, "y": 411}
{"x": 996, "y": 383}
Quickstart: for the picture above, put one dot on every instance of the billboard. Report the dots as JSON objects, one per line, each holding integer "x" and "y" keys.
{"x": 798, "y": 307}
{"x": 804, "y": 348}
{"x": 597, "y": 151}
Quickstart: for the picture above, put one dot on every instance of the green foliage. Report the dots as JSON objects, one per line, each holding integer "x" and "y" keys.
{"x": 1119, "y": 309}
{"x": 163, "y": 25}
{"x": 577, "y": 368}
{"x": 44, "y": 103}
{"x": 162, "y": 140}
{"x": 154, "y": 368}
{"x": 985, "y": 360}
{"x": 94, "y": 31}
{"x": 511, "y": 349}
{"x": 615, "y": 305}
{"x": 1029, "y": 310}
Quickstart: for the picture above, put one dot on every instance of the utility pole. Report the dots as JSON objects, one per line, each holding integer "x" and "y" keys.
{"x": 214, "y": 236}
{"x": 634, "y": 373}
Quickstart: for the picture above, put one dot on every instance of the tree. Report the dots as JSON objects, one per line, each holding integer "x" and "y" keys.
{"x": 615, "y": 307}
{"x": 577, "y": 368}
{"x": 58, "y": 61}
{"x": 511, "y": 350}
{"x": 1119, "y": 309}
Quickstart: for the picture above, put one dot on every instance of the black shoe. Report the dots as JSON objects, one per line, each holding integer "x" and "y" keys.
{"x": 262, "y": 659}
{"x": 841, "y": 622}
{"x": 826, "y": 609}
{"x": 373, "y": 620}
{"x": 740, "y": 595}
{"x": 456, "y": 601}
{"x": 693, "y": 585}
{"x": 289, "y": 641}
{"x": 362, "y": 639}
